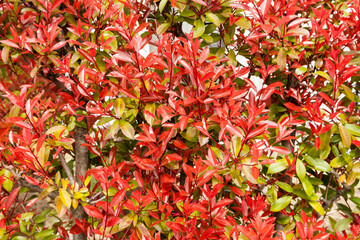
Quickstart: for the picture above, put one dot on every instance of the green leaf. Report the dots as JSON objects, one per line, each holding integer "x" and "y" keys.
{"x": 281, "y": 58}
{"x": 308, "y": 187}
{"x": 325, "y": 153}
{"x": 19, "y": 238}
{"x": 356, "y": 200}
{"x": 281, "y": 203}
{"x": 163, "y": 27}
{"x": 271, "y": 194}
{"x": 104, "y": 120}
{"x": 113, "y": 44}
{"x": 162, "y": 5}
{"x": 43, "y": 234}
{"x": 213, "y": 18}
{"x": 342, "y": 224}
{"x": 286, "y": 187}
{"x": 353, "y": 129}
{"x": 318, "y": 164}
{"x": 345, "y": 136}
{"x": 317, "y": 207}
{"x": 199, "y": 28}
{"x": 325, "y": 140}
{"x": 207, "y": 38}
{"x": 232, "y": 57}
{"x": 127, "y": 129}
{"x": 300, "y": 169}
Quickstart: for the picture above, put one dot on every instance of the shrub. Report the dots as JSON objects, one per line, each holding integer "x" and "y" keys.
{"x": 179, "y": 119}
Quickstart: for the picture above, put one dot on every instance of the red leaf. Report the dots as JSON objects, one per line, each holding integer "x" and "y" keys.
{"x": 232, "y": 129}
{"x": 201, "y": 2}
{"x": 256, "y": 132}
{"x": 86, "y": 55}
{"x": 11, "y": 198}
{"x": 222, "y": 203}
{"x": 280, "y": 150}
{"x": 166, "y": 178}
{"x": 57, "y": 46}
{"x": 9, "y": 43}
{"x": 356, "y": 143}
{"x": 32, "y": 181}
{"x": 198, "y": 207}
{"x": 122, "y": 57}
{"x": 93, "y": 211}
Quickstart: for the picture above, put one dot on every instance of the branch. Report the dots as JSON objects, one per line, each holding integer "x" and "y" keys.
{"x": 34, "y": 188}
{"x": 53, "y": 78}
{"x": 339, "y": 193}
{"x": 23, "y": 183}
{"x": 66, "y": 168}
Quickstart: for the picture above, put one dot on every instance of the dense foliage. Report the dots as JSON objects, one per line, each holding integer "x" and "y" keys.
{"x": 125, "y": 125}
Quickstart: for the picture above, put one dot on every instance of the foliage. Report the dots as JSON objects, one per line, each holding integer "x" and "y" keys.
{"x": 247, "y": 127}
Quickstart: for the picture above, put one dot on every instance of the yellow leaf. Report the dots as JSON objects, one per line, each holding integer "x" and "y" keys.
{"x": 41, "y": 155}
{"x": 348, "y": 92}
{"x": 75, "y": 203}
{"x": 64, "y": 182}
{"x": 317, "y": 206}
{"x": 57, "y": 178}
{"x": 342, "y": 178}
{"x": 65, "y": 197}
{"x": 119, "y": 107}
{"x": 345, "y": 136}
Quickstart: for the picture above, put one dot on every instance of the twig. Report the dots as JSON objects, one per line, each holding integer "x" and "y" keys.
{"x": 35, "y": 188}
{"x": 66, "y": 168}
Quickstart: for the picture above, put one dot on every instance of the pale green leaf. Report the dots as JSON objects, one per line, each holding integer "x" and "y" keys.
{"x": 300, "y": 169}
{"x": 318, "y": 164}
{"x": 278, "y": 166}
{"x": 199, "y": 28}
{"x": 342, "y": 224}
{"x": 308, "y": 187}
{"x": 162, "y": 5}
{"x": 213, "y": 18}
{"x": 127, "y": 129}
{"x": 284, "y": 186}
{"x": 353, "y": 129}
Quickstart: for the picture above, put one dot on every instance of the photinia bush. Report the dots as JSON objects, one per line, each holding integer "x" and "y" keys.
{"x": 181, "y": 119}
